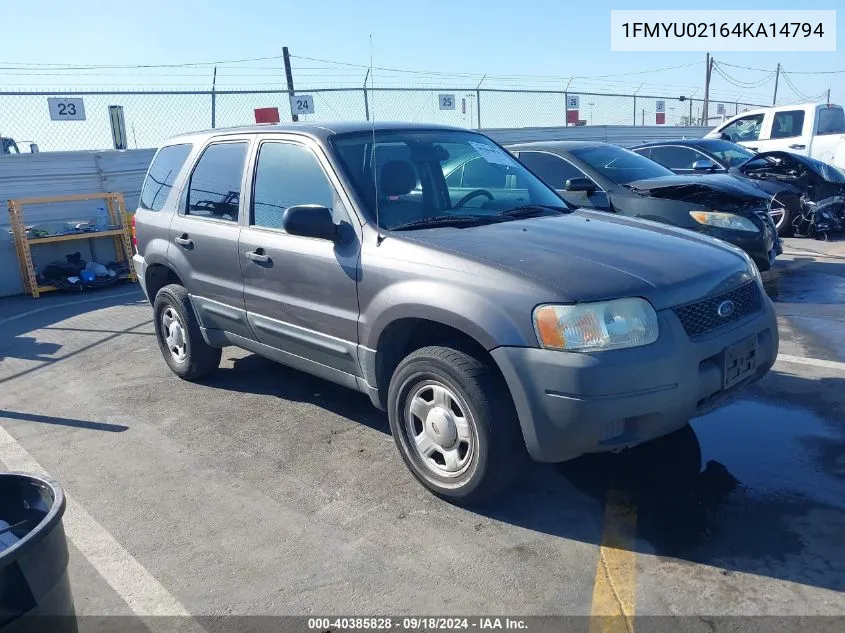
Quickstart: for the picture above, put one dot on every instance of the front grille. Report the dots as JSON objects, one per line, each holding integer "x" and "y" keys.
{"x": 703, "y": 316}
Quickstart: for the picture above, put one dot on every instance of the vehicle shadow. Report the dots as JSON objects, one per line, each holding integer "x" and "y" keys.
{"x": 806, "y": 280}
{"x": 49, "y": 419}
{"x": 256, "y": 374}
{"x": 757, "y": 487}
{"x": 20, "y": 316}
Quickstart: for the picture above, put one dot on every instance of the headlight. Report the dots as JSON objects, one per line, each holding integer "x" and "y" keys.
{"x": 597, "y": 326}
{"x": 724, "y": 220}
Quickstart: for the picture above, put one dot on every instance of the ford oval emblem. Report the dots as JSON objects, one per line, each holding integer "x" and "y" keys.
{"x": 725, "y": 309}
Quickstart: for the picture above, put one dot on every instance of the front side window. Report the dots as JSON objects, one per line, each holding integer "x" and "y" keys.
{"x": 674, "y": 156}
{"x": 788, "y": 124}
{"x": 162, "y": 174}
{"x": 287, "y": 175}
{"x": 618, "y": 165}
{"x": 480, "y": 173}
{"x": 746, "y": 128}
{"x": 215, "y": 187}
{"x": 415, "y": 175}
{"x": 728, "y": 152}
{"x": 553, "y": 169}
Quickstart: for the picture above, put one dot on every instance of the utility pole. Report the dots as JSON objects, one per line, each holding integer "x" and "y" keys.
{"x": 642, "y": 120}
{"x": 213, "y": 100}
{"x": 704, "y": 114}
{"x": 777, "y": 76}
{"x": 289, "y": 77}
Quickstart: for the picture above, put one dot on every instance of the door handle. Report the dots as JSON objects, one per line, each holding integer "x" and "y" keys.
{"x": 258, "y": 255}
{"x": 753, "y": 149}
{"x": 797, "y": 146}
{"x": 183, "y": 241}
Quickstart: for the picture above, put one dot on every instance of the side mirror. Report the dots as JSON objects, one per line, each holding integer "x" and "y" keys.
{"x": 310, "y": 220}
{"x": 33, "y": 148}
{"x": 725, "y": 137}
{"x": 704, "y": 164}
{"x": 580, "y": 184}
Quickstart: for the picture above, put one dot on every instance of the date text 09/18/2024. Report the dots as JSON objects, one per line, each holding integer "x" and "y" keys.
{"x": 415, "y": 623}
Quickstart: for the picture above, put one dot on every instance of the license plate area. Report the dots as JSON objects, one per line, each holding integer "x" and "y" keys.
{"x": 740, "y": 361}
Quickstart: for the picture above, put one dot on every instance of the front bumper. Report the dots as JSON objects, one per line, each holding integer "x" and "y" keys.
{"x": 762, "y": 247}
{"x": 574, "y": 403}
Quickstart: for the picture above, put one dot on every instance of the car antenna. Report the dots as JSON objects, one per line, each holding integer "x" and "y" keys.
{"x": 379, "y": 237}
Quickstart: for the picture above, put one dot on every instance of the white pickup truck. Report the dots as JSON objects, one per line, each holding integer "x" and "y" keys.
{"x": 814, "y": 130}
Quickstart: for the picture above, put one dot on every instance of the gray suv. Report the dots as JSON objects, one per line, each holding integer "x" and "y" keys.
{"x": 490, "y": 319}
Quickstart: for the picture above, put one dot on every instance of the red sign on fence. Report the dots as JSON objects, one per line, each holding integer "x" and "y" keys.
{"x": 267, "y": 115}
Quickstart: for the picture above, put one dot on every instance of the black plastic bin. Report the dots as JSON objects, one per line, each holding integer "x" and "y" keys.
{"x": 34, "y": 588}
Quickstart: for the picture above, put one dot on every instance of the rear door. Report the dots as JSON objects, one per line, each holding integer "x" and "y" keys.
{"x": 300, "y": 292}
{"x": 788, "y": 131}
{"x": 204, "y": 235}
{"x": 555, "y": 171}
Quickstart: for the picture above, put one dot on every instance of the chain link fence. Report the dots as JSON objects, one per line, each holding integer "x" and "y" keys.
{"x": 152, "y": 117}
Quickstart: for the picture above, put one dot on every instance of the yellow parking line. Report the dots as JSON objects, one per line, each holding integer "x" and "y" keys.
{"x": 614, "y": 592}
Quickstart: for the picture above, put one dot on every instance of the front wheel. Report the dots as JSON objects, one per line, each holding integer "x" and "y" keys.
{"x": 454, "y": 424}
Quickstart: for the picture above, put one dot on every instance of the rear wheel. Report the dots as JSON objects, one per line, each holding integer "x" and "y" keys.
{"x": 179, "y": 337}
{"x": 454, "y": 424}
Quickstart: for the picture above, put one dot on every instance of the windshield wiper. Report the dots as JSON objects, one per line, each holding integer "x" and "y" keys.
{"x": 445, "y": 220}
{"x": 527, "y": 210}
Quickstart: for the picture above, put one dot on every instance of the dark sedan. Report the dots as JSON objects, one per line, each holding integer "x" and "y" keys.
{"x": 610, "y": 178}
{"x": 715, "y": 156}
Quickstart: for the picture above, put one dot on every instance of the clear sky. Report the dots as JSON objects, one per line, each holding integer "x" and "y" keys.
{"x": 517, "y": 43}
{"x": 525, "y": 37}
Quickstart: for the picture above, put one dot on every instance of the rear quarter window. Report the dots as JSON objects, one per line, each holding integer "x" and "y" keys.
{"x": 162, "y": 175}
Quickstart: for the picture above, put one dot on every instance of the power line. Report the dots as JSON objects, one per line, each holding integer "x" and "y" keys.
{"x": 23, "y": 65}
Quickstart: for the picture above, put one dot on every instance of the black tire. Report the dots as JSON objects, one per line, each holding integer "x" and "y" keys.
{"x": 200, "y": 358}
{"x": 498, "y": 454}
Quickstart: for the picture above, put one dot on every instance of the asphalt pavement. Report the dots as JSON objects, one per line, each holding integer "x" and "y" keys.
{"x": 261, "y": 490}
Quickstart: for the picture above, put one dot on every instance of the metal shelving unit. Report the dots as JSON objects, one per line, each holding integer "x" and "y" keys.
{"x": 122, "y": 237}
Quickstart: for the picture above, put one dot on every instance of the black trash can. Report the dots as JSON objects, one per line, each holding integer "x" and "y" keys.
{"x": 34, "y": 588}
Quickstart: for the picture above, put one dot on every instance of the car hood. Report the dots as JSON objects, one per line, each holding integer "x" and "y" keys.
{"x": 591, "y": 256}
{"x": 824, "y": 171}
{"x": 700, "y": 189}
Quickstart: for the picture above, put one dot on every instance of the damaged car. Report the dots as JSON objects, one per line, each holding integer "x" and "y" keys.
{"x": 807, "y": 194}
{"x": 819, "y": 186}
{"x": 610, "y": 178}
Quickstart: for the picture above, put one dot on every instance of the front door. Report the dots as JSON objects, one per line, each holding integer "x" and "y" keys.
{"x": 301, "y": 293}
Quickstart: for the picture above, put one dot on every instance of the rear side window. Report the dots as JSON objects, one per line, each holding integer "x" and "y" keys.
{"x": 831, "y": 121}
{"x": 787, "y": 124}
{"x": 215, "y": 187}
{"x": 287, "y": 175}
{"x": 162, "y": 174}
{"x": 555, "y": 171}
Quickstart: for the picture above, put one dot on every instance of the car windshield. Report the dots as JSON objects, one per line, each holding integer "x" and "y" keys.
{"x": 728, "y": 152}
{"x": 414, "y": 178}
{"x": 620, "y": 166}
